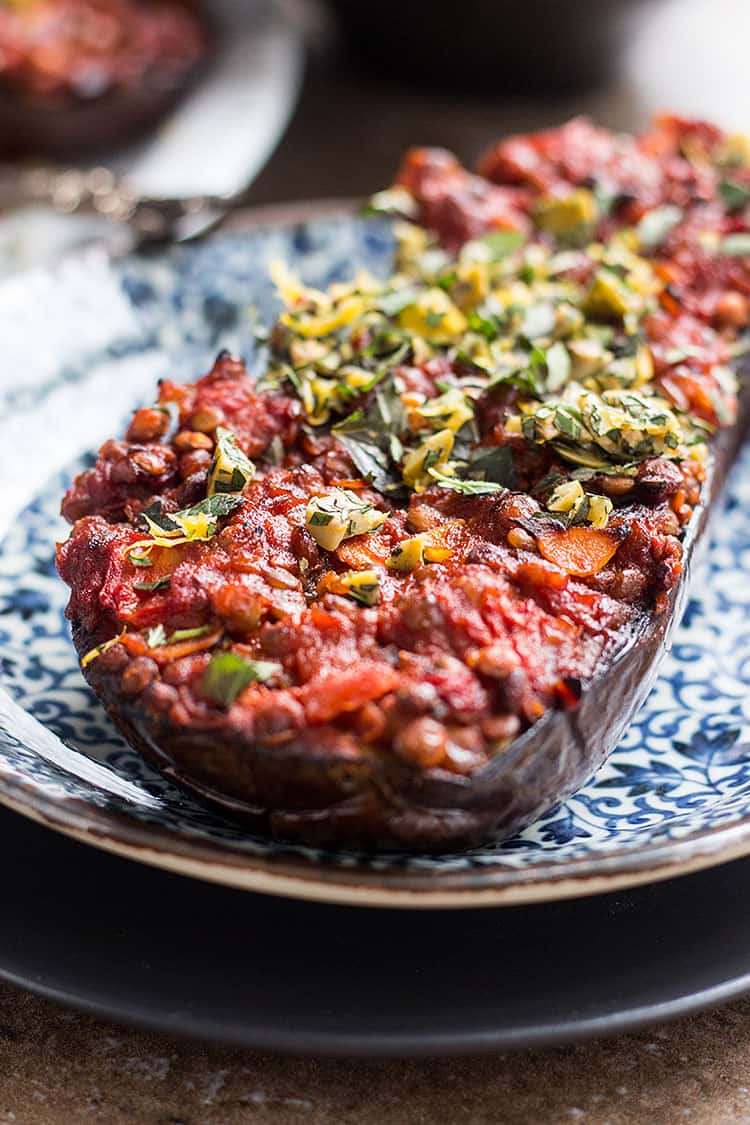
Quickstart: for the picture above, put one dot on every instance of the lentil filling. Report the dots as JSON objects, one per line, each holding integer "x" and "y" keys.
{"x": 454, "y": 495}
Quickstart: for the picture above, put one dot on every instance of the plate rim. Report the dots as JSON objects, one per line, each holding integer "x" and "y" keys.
{"x": 300, "y": 877}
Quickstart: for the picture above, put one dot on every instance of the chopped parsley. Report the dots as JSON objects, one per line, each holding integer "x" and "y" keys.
{"x": 466, "y": 487}
{"x": 734, "y": 195}
{"x": 162, "y": 583}
{"x": 195, "y": 524}
{"x": 228, "y": 674}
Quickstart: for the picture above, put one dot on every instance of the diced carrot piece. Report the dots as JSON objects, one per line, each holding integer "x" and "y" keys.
{"x": 581, "y": 551}
{"x": 362, "y": 551}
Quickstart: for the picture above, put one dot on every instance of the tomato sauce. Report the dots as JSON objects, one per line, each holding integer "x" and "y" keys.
{"x": 509, "y": 615}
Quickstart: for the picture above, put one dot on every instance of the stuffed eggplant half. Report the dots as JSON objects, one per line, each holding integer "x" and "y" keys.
{"x": 406, "y": 589}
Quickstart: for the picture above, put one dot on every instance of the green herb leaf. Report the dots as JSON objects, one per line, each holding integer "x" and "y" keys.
{"x": 221, "y": 504}
{"x": 580, "y": 456}
{"x": 467, "y": 487}
{"x": 228, "y": 674}
{"x": 157, "y": 521}
{"x": 493, "y": 463}
{"x": 157, "y": 636}
{"x": 580, "y": 512}
{"x": 372, "y": 463}
{"x": 567, "y": 423}
{"x": 189, "y": 634}
{"x": 162, "y": 583}
{"x": 734, "y": 196}
{"x": 371, "y": 436}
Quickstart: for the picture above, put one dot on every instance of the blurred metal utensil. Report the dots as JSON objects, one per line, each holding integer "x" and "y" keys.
{"x": 99, "y": 192}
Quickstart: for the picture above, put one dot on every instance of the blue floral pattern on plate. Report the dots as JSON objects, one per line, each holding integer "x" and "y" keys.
{"x": 681, "y": 772}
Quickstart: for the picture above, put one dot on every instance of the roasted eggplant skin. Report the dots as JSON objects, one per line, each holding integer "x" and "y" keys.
{"x": 289, "y": 794}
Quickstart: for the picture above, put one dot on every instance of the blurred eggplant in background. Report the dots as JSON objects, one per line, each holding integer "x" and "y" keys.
{"x": 81, "y": 75}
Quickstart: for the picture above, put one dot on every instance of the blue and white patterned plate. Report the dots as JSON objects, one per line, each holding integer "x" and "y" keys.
{"x": 86, "y": 344}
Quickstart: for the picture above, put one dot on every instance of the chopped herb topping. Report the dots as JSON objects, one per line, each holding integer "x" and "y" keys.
{"x": 162, "y": 583}
{"x": 228, "y": 674}
{"x": 339, "y": 515}
{"x": 467, "y": 487}
{"x": 503, "y": 314}
{"x": 362, "y": 585}
{"x": 195, "y": 524}
{"x": 230, "y": 469}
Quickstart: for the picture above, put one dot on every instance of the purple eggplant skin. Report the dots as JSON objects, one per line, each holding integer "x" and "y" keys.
{"x": 375, "y": 803}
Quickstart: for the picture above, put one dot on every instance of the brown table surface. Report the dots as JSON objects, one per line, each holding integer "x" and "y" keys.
{"x": 61, "y": 1068}
{"x": 57, "y": 1066}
